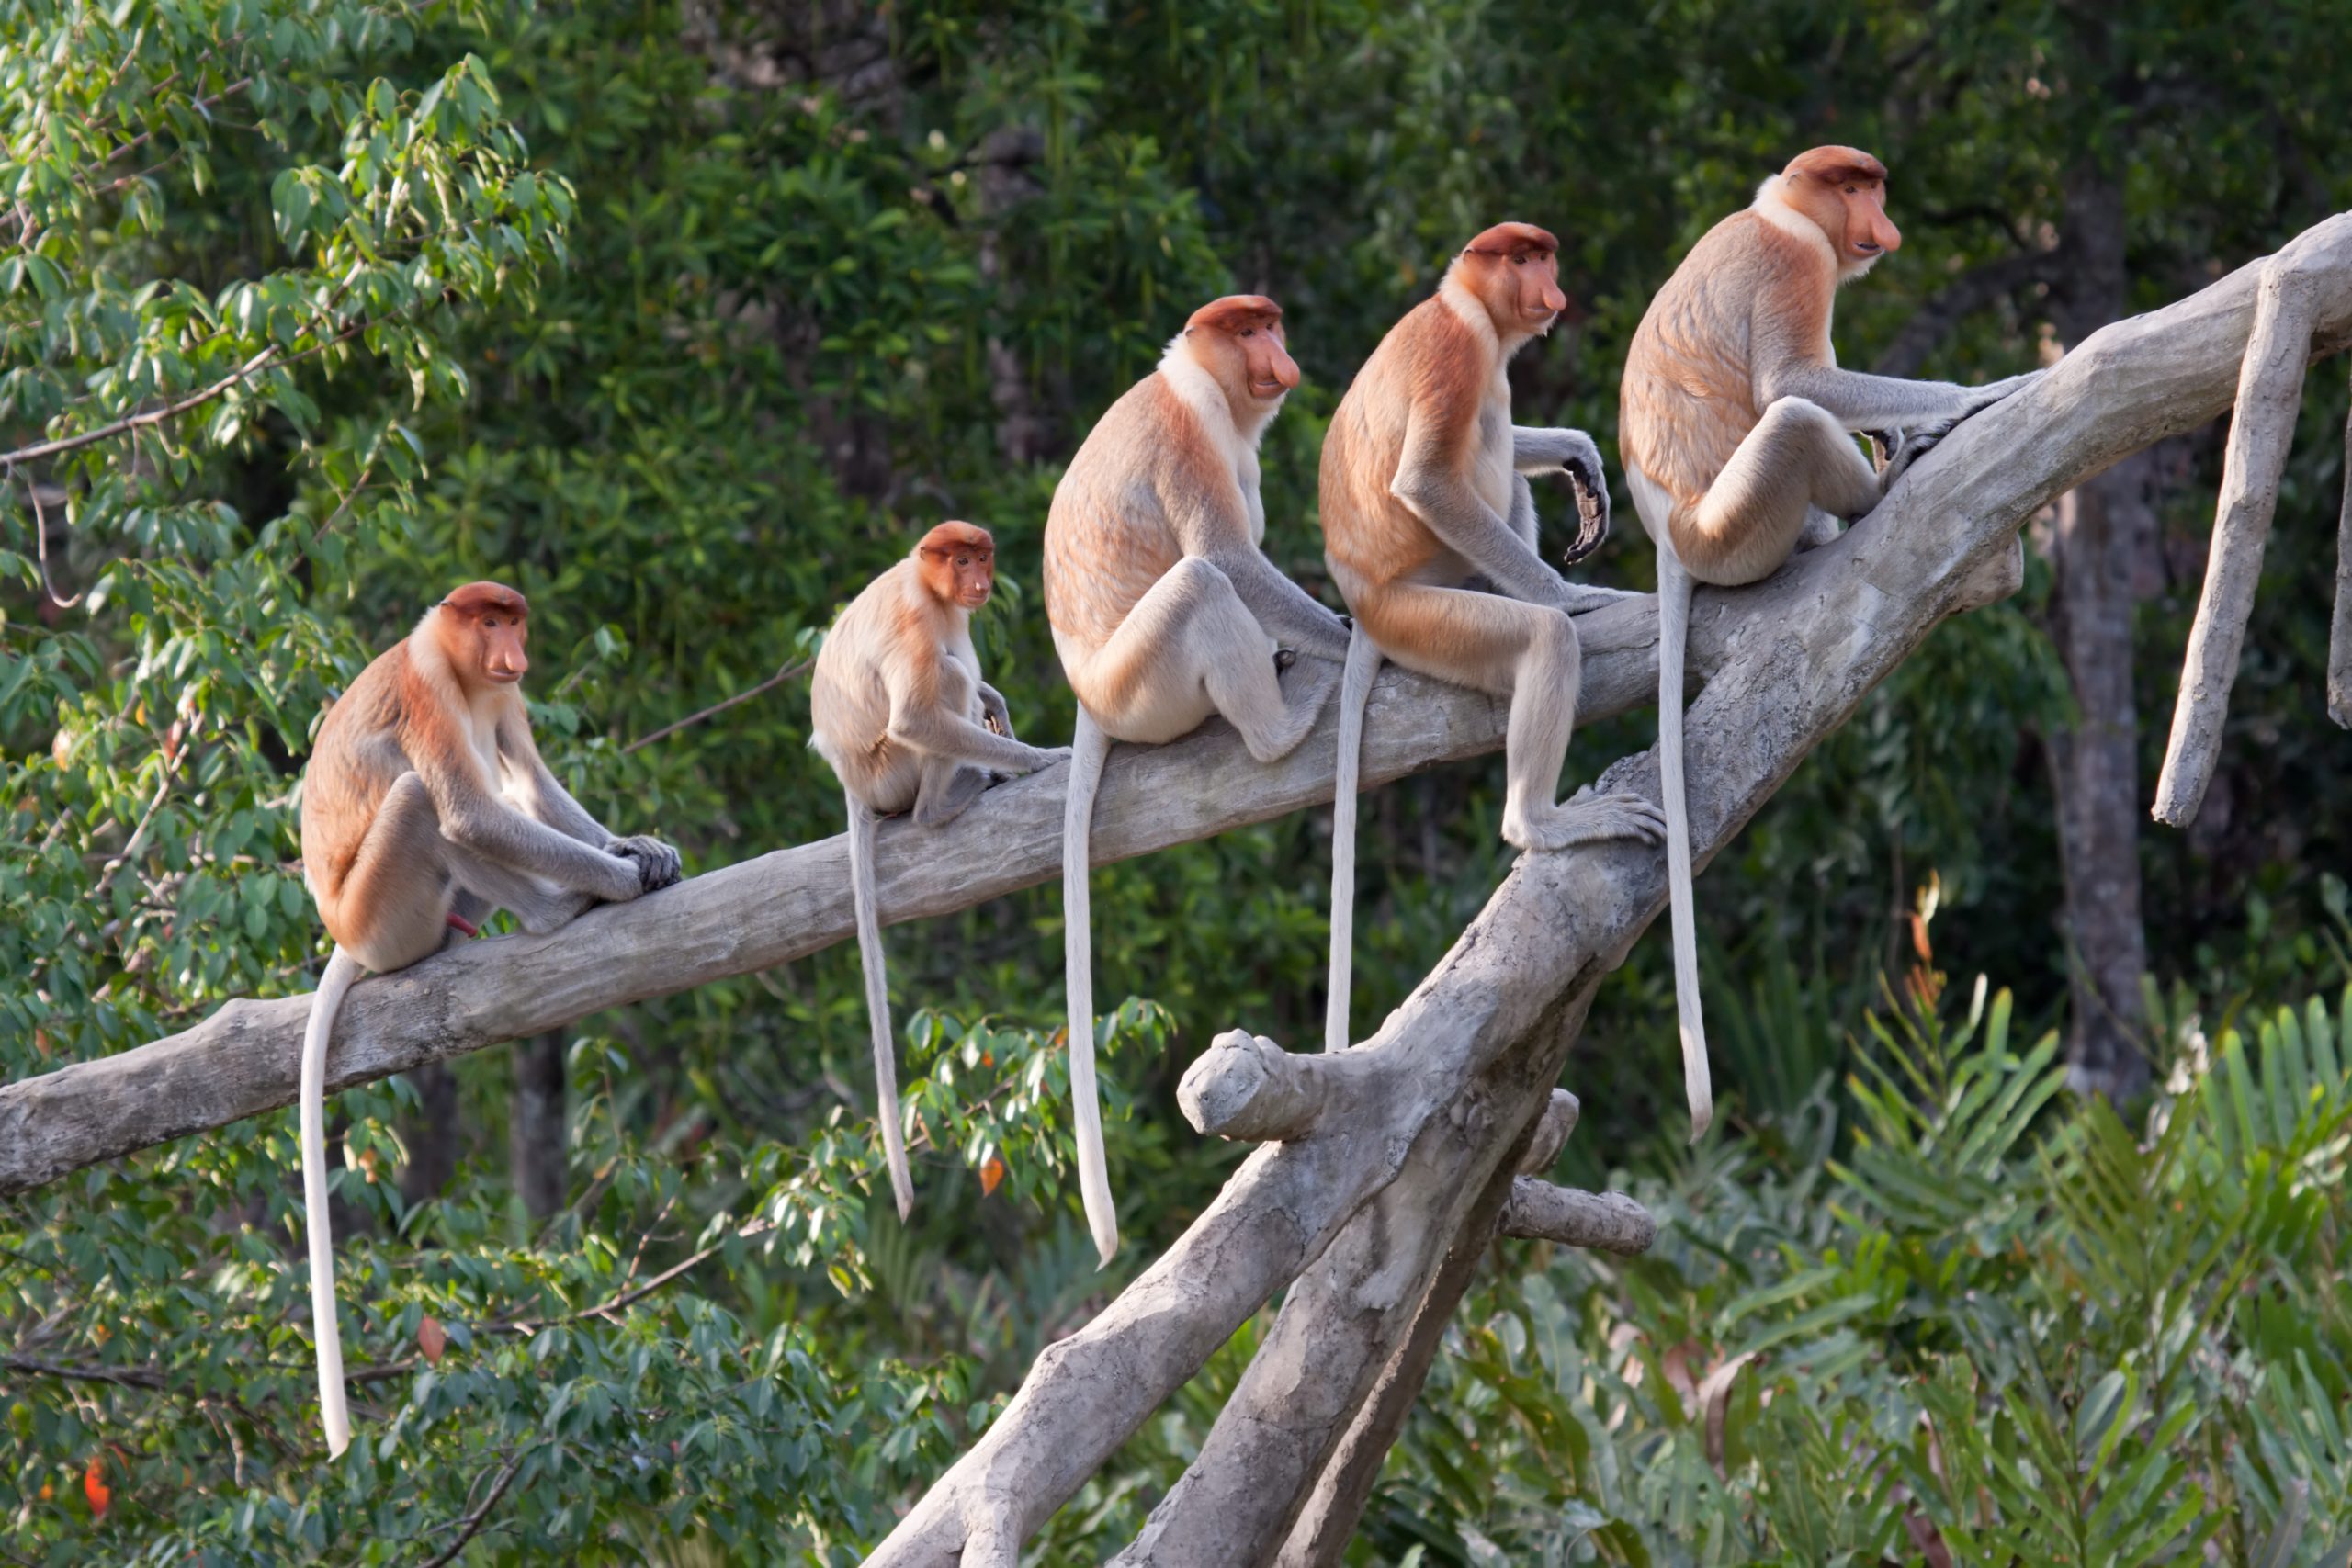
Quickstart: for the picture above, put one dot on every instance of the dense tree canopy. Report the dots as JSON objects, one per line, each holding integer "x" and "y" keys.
{"x": 686, "y": 319}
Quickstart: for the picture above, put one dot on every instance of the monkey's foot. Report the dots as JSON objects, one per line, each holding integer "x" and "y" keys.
{"x": 1587, "y": 819}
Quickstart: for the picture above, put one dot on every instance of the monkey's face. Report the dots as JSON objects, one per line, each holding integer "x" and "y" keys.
{"x": 499, "y": 638}
{"x": 1843, "y": 190}
{"x": 1515, "y": 267}
{"x": 960, "y": 564}
{"x": 1251, "y": 360}
{"x": 483, "y": 626}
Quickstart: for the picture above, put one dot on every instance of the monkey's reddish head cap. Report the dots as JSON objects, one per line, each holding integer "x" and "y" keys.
{"x": 954, "y": 535}
{"x": 486, "y": 598}
{"x": 1837, "y": 165}
{"x": 1236, "y": 311}
{"x": 1505, "y": 238}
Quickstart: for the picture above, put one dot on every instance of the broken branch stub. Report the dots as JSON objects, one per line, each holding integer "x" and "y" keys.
{"x": 1608, "y": 1221}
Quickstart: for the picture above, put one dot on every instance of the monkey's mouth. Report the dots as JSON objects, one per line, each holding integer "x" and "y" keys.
{"x": 505, "y": 677}
{"x": 1869, "y": 248}
{"x": 1267, "y": 388}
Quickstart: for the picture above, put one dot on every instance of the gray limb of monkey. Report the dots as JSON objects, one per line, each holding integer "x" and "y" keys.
{"x": 1190, "y": 647}
{"x": 1527, "y": 652}
{"x": 1431, "y": 488}
{"x": 948, "y": 790}
{"x": 1208, "y": 527}
{"x": 491, "y": 831}
{"x": 1862, "y": 401}
{"x": 1576, "y": 598}
{"x": 924, "y": 724}
{"x": 1798, "y": 458}
{"x": 543, "y": 797}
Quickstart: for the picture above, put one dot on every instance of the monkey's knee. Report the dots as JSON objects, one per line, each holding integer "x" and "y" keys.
{"x": 1553, "y": 646}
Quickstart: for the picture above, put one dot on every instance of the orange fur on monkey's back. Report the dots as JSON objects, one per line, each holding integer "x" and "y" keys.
{"x": 1429, "y": 360}
{"x": 1689, "y": 386}
{"x": 345, "y": 782}
{"x": 1108, "y": 541}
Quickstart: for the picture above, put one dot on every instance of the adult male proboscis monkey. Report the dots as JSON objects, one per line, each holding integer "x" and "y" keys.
{"x": 1166, "y": 611}
{"x": 900, "y": 712}
{"x": 1734, "y": 427}
{"x": 426, "y": 807}
{"x": 1429, "y": 526}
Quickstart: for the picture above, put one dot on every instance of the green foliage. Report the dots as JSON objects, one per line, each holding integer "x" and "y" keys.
{"x": 2006, "y": 1322}
{"x": 686, "y": 319}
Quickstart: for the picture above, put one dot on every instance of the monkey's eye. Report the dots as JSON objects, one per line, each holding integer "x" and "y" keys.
{"x": 1249, "y": 331}
{"x": 1853, "y": 190}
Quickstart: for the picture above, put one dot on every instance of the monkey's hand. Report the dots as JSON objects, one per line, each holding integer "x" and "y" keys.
{"x": 658, "y": 865}
{"x": 994, "y": 712}
{"x": 1583, "y": 598}
{"x": 1577, "y": 455}
{"x": 1896, "y": 450}
{"x": 1992, "y": 392}
{"x": 1044, "y": 757}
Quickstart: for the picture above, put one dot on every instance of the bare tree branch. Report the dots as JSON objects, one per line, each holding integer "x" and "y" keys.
{"x": 2270, "y": 386}
{"x": 243, "y": 1059}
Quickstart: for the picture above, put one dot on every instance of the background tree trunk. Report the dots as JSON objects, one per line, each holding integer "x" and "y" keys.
{"x": 430, "y": 1133}
{"x": 538, "y": 1146}
{"x": 2105, "y": 527}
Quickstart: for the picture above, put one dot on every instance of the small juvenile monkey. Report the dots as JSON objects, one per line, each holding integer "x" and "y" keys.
{"x": 426, "y": 807}
{"x": 900, "y": 712}
{"x": 1735, "y": 423}
{"x": 1429, "y": 526}
{"x": 1166, "y": 611}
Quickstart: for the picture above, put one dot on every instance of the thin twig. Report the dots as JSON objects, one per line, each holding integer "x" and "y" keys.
{"x": 40, "y": 542}
{"x": 138, "y": 834}
{"x": 470, "y": 1525}
{"x": 789, "y": 672}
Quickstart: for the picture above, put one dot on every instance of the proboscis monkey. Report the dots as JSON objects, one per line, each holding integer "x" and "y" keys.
{"x": 426, "y": 807}
{"x": 901, "y": 711}
{"x": 1166, "y": 611}
{"x": 1734, "y": 428}
{"x": 1429, "y": 526}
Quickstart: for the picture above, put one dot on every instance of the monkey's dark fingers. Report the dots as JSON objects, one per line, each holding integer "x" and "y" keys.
{"x": 658, "y": 865}
{"x": 1592, "y": 512}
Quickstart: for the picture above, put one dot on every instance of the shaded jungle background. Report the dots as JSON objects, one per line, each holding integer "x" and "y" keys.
{"x": 687, "y": 318}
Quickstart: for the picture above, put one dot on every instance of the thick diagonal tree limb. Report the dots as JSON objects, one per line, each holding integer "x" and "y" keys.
{"x": 1796, "y": 655}
{"x": 1327, "y": 1521}
{"x": 242, "y": 1060}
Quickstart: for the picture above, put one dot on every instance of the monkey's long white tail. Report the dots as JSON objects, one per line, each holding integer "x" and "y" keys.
{"x": 867, "y": 905}
{"x": 1088, "y": 746}
{"x": 1673, "y": 638}
{"x": 333, "y": 1413}
{"x": 1355, "y": 691}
